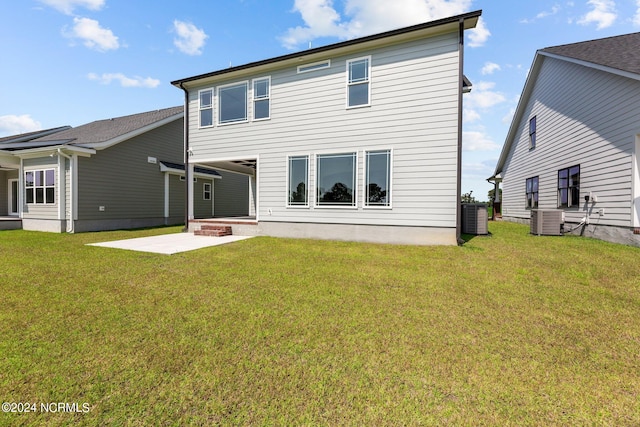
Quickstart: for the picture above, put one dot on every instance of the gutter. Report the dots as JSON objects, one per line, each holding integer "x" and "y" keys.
{"x": 187, "y": 177}
{"x": 459, "y": 171}
{"x": 70, "y": 223}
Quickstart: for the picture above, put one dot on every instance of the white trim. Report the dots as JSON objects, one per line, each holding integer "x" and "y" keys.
{"x": 166, "y": 195}
{"x": 588, "y": 64}
{"x": 213, "y": 117}
{"x": 205, "y": 191}
{"x": 246, "y": 106}
{"x": 635, "y": 185}
{"x": 10, "y": 196}
{"x": 367, "y": 80}
{"x": 190, "y": 193}
{"x": 390, "y": 183}
{"x": 44, "y": 187}
{"x": 62, "y": 188}
{"x": 288, "y": 184}
{"x": 254, "y": 99}
{"x": 314, "y": 66}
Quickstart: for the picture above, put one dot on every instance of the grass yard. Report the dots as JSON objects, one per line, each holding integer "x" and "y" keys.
{"x": 507, "y": 330}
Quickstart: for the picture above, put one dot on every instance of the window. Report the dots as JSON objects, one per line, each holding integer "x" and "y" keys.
{"x": 314, "y": 66}
{"x": 206, "y": 191}
{"x": 569, "y": 187}
{"x": 336, "y": 179}
{"x": 261, "y": 97}
{"x": 40, "y": 186}
{"x": 377, "y": 182}
{"x": 298, "y": 181}
{"x": 206, "y": 107}
{"x": 358, "y": 71}
{"x": 532, "y": 192}
{"x": 532, "y": 133}
{"x": 232, "y": 103}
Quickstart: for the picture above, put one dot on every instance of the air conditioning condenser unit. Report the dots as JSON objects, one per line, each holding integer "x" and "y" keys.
{"x": 546, "y": 222}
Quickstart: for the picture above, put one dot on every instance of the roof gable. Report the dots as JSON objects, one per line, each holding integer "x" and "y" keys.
{"x": 619, "y": 52}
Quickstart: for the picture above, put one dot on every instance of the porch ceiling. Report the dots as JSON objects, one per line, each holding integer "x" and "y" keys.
{"x": 244, "y": 166}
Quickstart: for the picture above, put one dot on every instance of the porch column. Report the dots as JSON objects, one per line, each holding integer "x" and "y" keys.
{"x": 190, "y": 190}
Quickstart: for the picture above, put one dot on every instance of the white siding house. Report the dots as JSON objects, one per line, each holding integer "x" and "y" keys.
{"x": 358, "y": 140}
{"x": 574, "y": 141}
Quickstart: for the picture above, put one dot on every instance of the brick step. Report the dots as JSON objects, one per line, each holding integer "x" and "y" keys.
{"x": 214, "y": 230}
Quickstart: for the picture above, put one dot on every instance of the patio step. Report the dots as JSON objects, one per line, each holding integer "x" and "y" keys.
{"x": 214, "y": 230}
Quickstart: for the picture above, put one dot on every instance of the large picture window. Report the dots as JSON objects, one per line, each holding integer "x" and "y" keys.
{"x": 298, "y": 181}
{"x": 532, "y": 192}
{"x": 378, "y": 178}
{"x": 232, "y": 103}
{"x": 358, "y": 79}
{"x": 261, "y": 98}
{"x": 569, "y": 187}
{"x": 336, "y": 179}
{"x": 206, "y": 107}
{"x": 40, "y": 186}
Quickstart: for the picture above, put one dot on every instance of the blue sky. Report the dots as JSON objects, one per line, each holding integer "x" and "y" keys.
{"x": 70, "y": 62}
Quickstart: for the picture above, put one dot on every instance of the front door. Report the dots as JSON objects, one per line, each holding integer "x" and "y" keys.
{"x": 13, "y": 197}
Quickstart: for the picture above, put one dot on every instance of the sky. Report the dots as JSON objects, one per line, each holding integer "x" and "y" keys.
{"x": 70, "y": 62}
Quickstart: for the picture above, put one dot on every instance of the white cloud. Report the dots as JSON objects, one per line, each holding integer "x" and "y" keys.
{"x": 603, "y": 14}
{"x": 190, "y": 39}
{"x": 68, "y": 6}
{"x": 554, "y": 10}
{"x": 14, "y": 125}
{"x": 478, "y": 141}
{"x": 365, "y": 17}
{"x": 93, "y": 35}
{"x": 482, "y": 96}
{"x": 636, "y": 17}
{"x": 125, "y": 81}
{"x": 490, "y": 68}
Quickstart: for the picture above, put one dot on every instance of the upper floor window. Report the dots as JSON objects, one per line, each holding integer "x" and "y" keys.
{"x": 298, "y": 181}
{"x": 569, "y": 187}
{"x": 377, "y": 178}
{"x": 358, "y": 82}
{"x": 532, "y": 133}
{"x": 40, "y": 186}
{"x": 336, "y": 179}
{"x": 261, "y": 98}
{"x": 206, "y": 107}
{"x": 532, "y": 192}
{"x": 232, "y": 103}
{"x": 314, "y": 66}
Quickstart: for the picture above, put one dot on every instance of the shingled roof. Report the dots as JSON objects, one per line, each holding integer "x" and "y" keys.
{"x": 110, "y": 129}
{"x": 619, "y": 52}
{"x": 29, "y": 136}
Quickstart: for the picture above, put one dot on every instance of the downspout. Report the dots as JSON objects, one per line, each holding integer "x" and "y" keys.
{"x": 459, "y": 172}
{"x": 70, "y": 224}
{"x": 186, "y": 159}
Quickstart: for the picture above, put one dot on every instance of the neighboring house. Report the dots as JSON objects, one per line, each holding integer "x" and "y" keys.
{"x": 359, "y": 140}
{"x": 124, "y": 172}
{"x": 574, "y": 143}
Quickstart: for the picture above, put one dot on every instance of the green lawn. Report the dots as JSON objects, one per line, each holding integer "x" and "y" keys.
{"x": 510, "y": 329}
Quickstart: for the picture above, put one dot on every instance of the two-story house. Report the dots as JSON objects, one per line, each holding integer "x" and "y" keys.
{"x": 359, "y": 140}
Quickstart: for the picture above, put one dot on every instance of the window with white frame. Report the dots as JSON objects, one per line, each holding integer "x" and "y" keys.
{"x": 40, "y": 186}
{"x": 206, "y": 107}
{"x": 206, "y": 191}
{"x": 261, "y": 98}
{"x": 232, "y": 103}
{"x": 336, "y": 179}
{"x": 298, "y": 181}
{"x": 358, "y": 82}
{"x": 377, "y": 182}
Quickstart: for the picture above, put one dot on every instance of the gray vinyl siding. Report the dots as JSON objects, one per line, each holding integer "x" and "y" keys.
{"x": 176, "y": 196}
{"x": 41, "y": 211}
{"x": 121, "y": 179}
{"x": 414, "y": 107}
{"x": 231, "y": 195}
{"x": 585, "y": 117}
{"x": 202, "y": 208}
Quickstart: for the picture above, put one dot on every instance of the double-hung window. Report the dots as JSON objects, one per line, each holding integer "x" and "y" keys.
{"x": 532, "y": 192}
{"x": 532, "y": 133}
{"x": 206, "y": 191}
{"x": 261, "y": 98}
{"x": 359, "y": 82}
{"x": 232, "y": 103}
{"x": 40, "y": 186}
{"x": 205, "y": 97}
{"x": 336, "y": 179}
{"x": 377, "y": 182}
{"x": 569, "y": 187}
{"x": 298, "y": 181}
